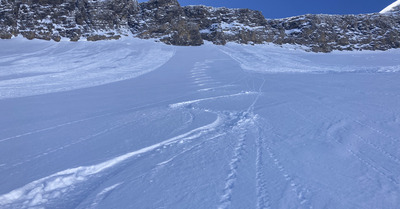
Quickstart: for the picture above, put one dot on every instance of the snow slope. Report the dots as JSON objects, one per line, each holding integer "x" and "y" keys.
{"x": 201, "y": 127}
{"x": 390, "y": 7}
{"x": 73, "y": 66}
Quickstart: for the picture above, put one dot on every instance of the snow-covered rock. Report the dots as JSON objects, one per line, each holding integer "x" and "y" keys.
{"x": 167, "y": 21}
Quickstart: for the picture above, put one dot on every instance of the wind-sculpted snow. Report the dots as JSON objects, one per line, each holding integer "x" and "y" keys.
{"x": 270, "y": 59}
{"x": 187, "y": 103}
{"x": 49, "y": 189}
{"x": 213, "y": 127}
{"x": 53, "y": 67}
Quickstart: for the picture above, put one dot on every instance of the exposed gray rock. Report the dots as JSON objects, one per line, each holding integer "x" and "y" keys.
{"x": 167, "y": 21}
{"x": 73, "y": 19}
{"x": 221, "y": 25}
{"x": 324, "y": 33}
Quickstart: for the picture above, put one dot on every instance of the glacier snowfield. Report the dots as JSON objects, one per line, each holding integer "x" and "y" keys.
{"x": 139, "y": 124}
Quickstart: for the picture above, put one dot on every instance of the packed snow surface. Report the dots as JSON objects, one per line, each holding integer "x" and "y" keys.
{"x": 390, "y": 7}
{"x": 138, "y": 124}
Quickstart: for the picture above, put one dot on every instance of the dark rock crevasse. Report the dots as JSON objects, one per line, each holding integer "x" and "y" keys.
{"x": 169, "y": 22}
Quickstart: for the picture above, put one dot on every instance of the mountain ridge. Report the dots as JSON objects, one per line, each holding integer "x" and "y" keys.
{"x": 171, "y": 23}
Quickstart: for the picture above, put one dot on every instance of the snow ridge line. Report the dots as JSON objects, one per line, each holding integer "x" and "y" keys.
{"x": 51, "y": 187}
{"x": 263, "y": 199}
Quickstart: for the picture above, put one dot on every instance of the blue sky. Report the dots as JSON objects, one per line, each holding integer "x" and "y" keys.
{"x": 279, "y": 8}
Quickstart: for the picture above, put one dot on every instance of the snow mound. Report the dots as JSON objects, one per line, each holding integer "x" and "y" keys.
{"x": 390, "y": 7}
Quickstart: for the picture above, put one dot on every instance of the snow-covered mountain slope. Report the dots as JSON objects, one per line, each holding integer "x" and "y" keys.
{"x": 210, "y": 127}
{"x": 391, "y": 7}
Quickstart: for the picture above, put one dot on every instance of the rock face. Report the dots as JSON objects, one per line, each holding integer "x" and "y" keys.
{"x": 167, "y": 21}
{"x": 73, "y": 19}
{"x": 324, "y": 33}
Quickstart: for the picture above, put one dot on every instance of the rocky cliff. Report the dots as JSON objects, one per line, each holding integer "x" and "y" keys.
{"x": 169, "y": 22}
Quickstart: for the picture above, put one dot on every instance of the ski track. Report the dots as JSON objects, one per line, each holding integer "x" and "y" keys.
{"x": 263, "y": 199}
{"x": 213, "y": 88}
{"x": 187, "y": 103}
{"x": 225, "y": 199}
{"x": 188, "y": 150}
{"x": 302, "y": 192}
{"x": 103, "y": 194}
{"x": 392, "y": 139}
{"x": 376, "y": 168}
{"x": 53, "y": 127}
{"x": 246, "y": 122}
{"x": 159, "y": 166}
{"x": 51, "y": 187}
{"x": 185, "y": 124}
{"x": 360, "y": 138}
{"x": 48, "y": 188}
{"x": 358, "y": 155}
{"x": 199, "y": 74}
{"x": 375, "y": 147}
{"x": 352, "y": 119}
{"x": 88, "y": 119}
{"x": 80, "y": 140}
{"x": 389, "y": 177}
{"x": 237, "y": 124}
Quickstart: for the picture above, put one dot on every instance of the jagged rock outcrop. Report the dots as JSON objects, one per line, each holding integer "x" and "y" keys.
{"x": 324, "y": 33}
{"x": 73, "y": 19}
{"x": 221, "y": 25}
{"x": 169, "y": 22}
{"x": 165, "y": 20}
